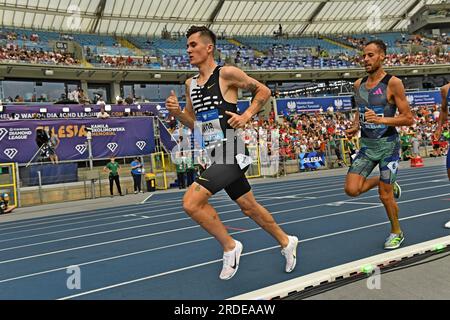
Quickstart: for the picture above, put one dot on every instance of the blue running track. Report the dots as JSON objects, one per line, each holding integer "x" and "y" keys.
{"x": 154, "y": 251}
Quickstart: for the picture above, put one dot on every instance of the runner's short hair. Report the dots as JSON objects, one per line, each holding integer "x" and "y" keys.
{"x": 379, "y": 43}
{"x": 204, "y": 32}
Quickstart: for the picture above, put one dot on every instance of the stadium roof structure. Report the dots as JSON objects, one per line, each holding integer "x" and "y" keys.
{"x": 227, "y": 17}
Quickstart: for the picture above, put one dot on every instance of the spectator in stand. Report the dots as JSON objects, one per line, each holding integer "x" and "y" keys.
{"x": 103, "y": 114}
{"x": 100, "y": 100}
{"x": 82, "y": 98}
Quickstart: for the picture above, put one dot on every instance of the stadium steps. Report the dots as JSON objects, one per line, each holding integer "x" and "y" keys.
{"x": 86, "y": 64}
{"x": 127, "y": 44}
{"x": 336, "y": 43}
{"x": 258, "y": 54}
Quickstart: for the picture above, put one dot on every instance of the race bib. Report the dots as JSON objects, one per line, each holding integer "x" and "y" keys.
{"x": 211, "y": 129}
{"x": 379, "y": 111}
{"x": 243, "y": 160}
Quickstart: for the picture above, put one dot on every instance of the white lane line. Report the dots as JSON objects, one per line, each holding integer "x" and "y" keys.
{"x": 221, "y": 213}
{"x": 121, "y": 284}
{"x": 232, "y": 204}
{"x": 146, "y": 199}
{"x": 269, "y": 185}
{"x": 139, "y": 209}
{"x": 180, "y": 229}
{"x": 340, "y": 203}
{"x": 183, "y": 243}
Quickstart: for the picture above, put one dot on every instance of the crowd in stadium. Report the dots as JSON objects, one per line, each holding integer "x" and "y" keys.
{"x": 297, "y": 133}
{"x": 12, "y": 53}
{"x": 434, "y": 51}
{"x": 303, "y": 133}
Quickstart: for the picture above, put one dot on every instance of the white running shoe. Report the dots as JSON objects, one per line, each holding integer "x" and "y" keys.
{"x": 231, "y": 261}
{"x": 290, "y": 253}
{"x": 447, "y": 225}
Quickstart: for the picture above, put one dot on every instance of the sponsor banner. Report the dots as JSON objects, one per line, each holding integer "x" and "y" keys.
{"x": 302, "y": 105}
{"x": 167, "y": 140}
{"x": 423, "y": 98}
{"x": 119, "y": 137}
{"x": 242, "y": 106}
{"x": 311, "y": 160}
{"x": 61, "y": 111}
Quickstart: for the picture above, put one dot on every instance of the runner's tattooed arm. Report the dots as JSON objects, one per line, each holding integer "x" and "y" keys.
{"x": 238, "y": 79}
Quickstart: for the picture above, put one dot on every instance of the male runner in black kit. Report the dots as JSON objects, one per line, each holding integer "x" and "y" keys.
{"x": 211, "y": 99}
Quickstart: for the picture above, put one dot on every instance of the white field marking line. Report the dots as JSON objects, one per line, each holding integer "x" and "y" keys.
{"x": 244, "y": 254}
{"x": 139, "y": 210}
{"x": 236, "y": 210}
{"x": 111, "y": 211}
{"x": 114, "y": 211}
{"x": 187, "y": 218}
{"x": 146, "y": 199}
{"x": 139, "y": 218}
{"x": 104, "y": 211}
{"x": 196, "y": 226}
{"x": 295, "y": 183}
{"x": 292, "y": 183}
{"x": 136, "y": 210}
{"x": 157, "y": 216}
{"x": 339, "y": 203}
{"x": 221, "y": 213}
{"x": 197, "y": 240}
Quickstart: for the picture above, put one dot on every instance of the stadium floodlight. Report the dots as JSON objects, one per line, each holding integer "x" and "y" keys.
{"x": 87, "y": 109}
{"x": 66, "y": 109}
{"x": 43, "y": 110}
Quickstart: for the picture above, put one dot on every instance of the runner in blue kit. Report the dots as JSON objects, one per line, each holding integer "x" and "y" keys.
{"x": 377, "y": 97}
{"x": 211, "y": 102}
{"x": 443, "y": 116}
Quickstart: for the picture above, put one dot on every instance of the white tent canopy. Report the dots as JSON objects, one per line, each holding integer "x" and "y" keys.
{"x": 230, "y": 17}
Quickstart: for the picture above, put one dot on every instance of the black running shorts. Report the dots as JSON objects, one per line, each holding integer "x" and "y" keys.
{"x": 225, "y": 176}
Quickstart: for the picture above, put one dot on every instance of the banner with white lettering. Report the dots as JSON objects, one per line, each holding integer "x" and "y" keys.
{"x": 319, "y": 104}
{"x": 423, "y": 98}
{"x": 21, "y": 140}
{"x": 311, "y": 160}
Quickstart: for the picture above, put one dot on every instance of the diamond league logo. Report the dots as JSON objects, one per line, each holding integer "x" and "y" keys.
{"x": 141, "y": 145}
{"x": 112, "y": 146}
{"x": 11, "y": 152}
{"x": 3, "y": 133}
{"x": 81, "y": 148}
